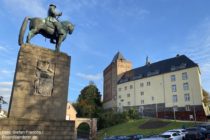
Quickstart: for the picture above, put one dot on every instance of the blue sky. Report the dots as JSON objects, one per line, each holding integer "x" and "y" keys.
{"x": 159, "y": 29}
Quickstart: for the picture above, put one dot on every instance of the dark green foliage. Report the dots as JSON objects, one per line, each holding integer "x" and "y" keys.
{"x": 132, "y": 114}
{"x": 111, "y": 118}
{"x": 89, "y": 102}
{"x": 89, "y": 105}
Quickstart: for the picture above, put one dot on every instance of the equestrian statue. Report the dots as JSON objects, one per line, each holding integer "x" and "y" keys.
{"x": 49, "y": 27}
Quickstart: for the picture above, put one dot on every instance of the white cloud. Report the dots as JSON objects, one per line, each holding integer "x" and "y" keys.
{"x": 197, "y": 47}
{"x": 5, "y": 84}
{"x": 29, "y": 7}
{"x": 90, "y": 77}
{"x": 3, "y": 47}
{"x": 3, "y": 90}
{"x": 4, "y": 71}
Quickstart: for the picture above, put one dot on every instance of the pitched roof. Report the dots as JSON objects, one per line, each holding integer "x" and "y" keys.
{"x": 157, "y": 68}
{"x": 118, "y": 56}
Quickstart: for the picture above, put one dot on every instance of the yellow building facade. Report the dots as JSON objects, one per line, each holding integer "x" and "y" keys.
{"x": 169, "y": 88}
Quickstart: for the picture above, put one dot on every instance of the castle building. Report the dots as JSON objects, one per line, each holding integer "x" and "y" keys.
{"x": 169, "y": 88}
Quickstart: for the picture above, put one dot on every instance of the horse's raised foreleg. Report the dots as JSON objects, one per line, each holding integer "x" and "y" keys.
{"x": 31, "y": 34}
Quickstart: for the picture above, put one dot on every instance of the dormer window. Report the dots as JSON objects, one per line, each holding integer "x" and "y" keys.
{"x": 151, "y": 73}
{"x": 181, "y": 66}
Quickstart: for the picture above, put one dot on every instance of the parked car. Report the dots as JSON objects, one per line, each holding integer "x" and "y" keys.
{"x": 208, "y": 137}
{"x": 135, "y": 137}
{"x": 182, "y": 132}
{"x": 155, "y": 137}
{"x": 171, "y": 136}
{"x": 206, "y": 126}
{"x": 195, "y": 133}
{"x": 110, "y": 138}
{"x": 117, "y": 138}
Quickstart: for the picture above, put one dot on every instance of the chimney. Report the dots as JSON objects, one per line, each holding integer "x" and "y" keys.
{"x": 147, "y": 60}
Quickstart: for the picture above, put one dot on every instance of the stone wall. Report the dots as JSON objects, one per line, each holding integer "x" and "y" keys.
{"x": 22, "y": 129}
{"x": 40, "y": 86}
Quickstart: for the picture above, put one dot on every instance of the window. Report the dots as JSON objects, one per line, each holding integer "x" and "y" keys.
{"x": 119, "y": 89}
{"x": 129, "y": 103}
{"x": 153, "y": 98}
{"x": 148, "y": 83}
{"x": 141, "y": 84}
{"x": 184, "y": 76}
{"x": 125, "y": 87}
{"x": 187, "y": 107}
{"x": 187, "y": 97}
{"x": 120, "y": 96}
{"x": 131, "y": 86}
{"x": 128, "y": 95}
{"x": 173, "y": 78}
{"x": 173, "y": 88}
{"x": 186, "y": 86}
{"x": 175, "y": 98}
{"x": 142, "y": 101}
{"x": 142, "y": 93}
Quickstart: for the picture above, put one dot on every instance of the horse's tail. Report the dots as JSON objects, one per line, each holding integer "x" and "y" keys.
{"x": 22, "y": 31}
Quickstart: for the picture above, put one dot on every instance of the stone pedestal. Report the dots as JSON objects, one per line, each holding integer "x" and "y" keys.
{"x": 40, "y": 85}
{"x": 39, "y": 97}
{"x": 21, "y": 129}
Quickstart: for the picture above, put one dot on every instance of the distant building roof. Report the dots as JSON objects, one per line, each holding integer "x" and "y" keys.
{"x": 169, "y": 65}
{"x": 118, "y": 56}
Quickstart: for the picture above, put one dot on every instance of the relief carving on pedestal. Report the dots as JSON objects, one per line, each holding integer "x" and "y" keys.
{"x": 44, "y": 78}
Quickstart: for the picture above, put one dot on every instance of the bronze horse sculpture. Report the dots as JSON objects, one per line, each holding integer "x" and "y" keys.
{"x": 45, "y": 28}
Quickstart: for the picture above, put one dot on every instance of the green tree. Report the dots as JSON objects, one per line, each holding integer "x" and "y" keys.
{"x": 89, "y": 102}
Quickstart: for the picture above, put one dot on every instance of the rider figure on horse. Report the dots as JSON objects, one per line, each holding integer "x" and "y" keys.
{"x": 52, "y": 17}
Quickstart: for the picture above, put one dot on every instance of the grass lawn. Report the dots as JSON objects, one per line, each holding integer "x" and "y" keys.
{"x": 132, "y": 127}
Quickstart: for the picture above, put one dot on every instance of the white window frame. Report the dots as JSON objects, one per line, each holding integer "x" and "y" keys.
{"x": 141, "y": 84}
{"x": 173, "y": 88}
{"x": 173, "y": 78}
{"x": 186, "y": 97}
{"x": 174, "y": 98}
{"x": 185, "y": 86}
{"x": 184, "y": 76}
{"x": 153, "y": 98}
{"x": 142, "y": 102}
{"x": 187, "y": 108}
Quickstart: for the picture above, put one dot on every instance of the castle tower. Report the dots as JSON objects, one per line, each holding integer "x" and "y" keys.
{"x": 112, "y": 73}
